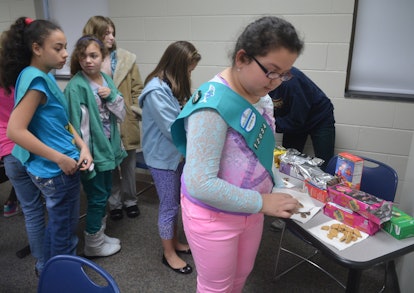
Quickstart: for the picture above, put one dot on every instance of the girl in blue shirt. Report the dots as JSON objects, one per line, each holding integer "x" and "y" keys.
{"x": 46, "y": 143}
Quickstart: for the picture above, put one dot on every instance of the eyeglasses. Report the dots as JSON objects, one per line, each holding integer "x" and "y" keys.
{"x": 274, "y": 75}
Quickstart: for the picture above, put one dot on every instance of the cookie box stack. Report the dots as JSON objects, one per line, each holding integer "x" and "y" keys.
{"x": 357, "y": 208}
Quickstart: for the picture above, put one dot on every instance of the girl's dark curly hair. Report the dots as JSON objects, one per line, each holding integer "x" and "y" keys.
{"x": 16, "y": 47}
{"x": 268, "y": 33}
{"x": 80, "y": 48}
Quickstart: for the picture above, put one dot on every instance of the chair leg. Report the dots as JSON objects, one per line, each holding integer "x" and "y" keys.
{"x": 145, "y": 189}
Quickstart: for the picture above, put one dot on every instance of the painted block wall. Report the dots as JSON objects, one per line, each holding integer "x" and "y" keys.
{"x": 382, "y": 130}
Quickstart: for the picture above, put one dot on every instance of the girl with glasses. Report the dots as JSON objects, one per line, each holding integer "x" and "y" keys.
{"x": 226, "y": 131}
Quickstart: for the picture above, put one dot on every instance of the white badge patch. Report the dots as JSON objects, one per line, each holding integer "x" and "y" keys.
{"x": 248, "y": 120}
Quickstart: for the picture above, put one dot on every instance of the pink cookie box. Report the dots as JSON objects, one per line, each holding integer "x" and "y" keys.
{"x": 350, "y": 218}
{"x": 371, "y": 207}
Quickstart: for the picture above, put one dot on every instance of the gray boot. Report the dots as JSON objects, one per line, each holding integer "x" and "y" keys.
{"x": 107, "y": 239}
{"x": 95, "y": 245}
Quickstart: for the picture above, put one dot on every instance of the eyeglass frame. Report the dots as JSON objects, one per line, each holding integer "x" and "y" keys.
{"x": 283, "y": 77}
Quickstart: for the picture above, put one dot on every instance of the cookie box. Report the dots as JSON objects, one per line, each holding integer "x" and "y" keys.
{"x": 349, "y": 169}
{"x": 365, "y": 204}
{"x": 401, "y": 224}
{"x": 350, "y": 218}
{"x": 316, "y": 192}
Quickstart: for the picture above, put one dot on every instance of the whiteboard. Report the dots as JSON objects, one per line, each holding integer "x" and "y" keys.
{"x": 383, "y": 55}
{"x": 72, "y": 16}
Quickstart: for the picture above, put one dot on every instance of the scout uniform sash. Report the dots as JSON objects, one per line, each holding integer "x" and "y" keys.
{"x": 238, "y": 113}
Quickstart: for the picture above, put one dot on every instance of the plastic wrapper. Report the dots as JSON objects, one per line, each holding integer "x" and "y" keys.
{"x": 308, "y": 168}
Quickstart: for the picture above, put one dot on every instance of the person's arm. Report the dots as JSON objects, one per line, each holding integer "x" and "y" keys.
{"x": 85, "y": 157}
{"x": 162, "y": 108}
{"x": 136, "y": 84}
{"x": 18, "y": 132}
{"x": 294, "y": 97}
{"x": 114, "y": 101}
{"x": 205, "y": 141}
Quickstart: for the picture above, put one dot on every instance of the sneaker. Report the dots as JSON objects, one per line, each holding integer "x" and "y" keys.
{"x": 11, "y": 208}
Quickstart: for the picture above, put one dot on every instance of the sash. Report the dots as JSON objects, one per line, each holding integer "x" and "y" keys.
{"x": 238, "y": 113}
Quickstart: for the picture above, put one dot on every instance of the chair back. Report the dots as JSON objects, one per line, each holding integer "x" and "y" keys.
{"x": 140, "y": 163}
{"x": 378, "y": 178}
{"x": 66, "y": 274}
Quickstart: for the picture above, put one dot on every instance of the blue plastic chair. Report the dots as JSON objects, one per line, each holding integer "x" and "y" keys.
{"x": 66, "y": 274}
{"x": 140, "y": 164}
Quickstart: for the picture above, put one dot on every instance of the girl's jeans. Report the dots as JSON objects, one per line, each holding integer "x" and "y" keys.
{"x": 62, "y": 198}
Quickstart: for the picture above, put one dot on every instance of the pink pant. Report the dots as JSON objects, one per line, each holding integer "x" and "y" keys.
{"x": 224, "y": 246}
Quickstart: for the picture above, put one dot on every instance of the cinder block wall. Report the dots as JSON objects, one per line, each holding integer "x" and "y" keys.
{"x": 379, "y": 129}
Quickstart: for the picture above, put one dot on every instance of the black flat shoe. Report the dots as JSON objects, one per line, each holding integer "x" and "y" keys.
{"x": 185, "y": 270}
{"x": 132, "y": 211}
{"x": 187, "y": 251}
{"x": 116, "y": 214}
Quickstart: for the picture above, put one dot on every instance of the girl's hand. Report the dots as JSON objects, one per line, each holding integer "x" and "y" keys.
{"x": 104, "y": 92}
{"x": 279, "y": 204}
{"x": 85, "y": 159}
{"x": 68, "y": 165}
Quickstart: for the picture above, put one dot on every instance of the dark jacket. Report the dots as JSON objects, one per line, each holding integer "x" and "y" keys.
{"x": 300, "y": 105}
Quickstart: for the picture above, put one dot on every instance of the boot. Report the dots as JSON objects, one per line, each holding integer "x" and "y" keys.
{"x": 95, "y": 245}
{"x": 107, "y": 239}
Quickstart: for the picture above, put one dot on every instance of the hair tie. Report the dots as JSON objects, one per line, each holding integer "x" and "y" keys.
{"x": 28, "y": 20}
{"x": 90, "y": 38}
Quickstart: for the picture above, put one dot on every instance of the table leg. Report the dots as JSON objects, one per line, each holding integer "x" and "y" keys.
{"x": 354, "y": 278}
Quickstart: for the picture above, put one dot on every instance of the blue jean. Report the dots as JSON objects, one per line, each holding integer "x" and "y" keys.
{"x": 32, "y": 205}
{"x": 62, "y": 196}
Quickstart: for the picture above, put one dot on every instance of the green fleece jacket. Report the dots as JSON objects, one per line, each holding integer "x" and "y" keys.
{"x": 107, "y": 154}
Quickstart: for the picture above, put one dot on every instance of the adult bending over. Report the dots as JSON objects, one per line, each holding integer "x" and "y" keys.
{"x": 302, "y": 109}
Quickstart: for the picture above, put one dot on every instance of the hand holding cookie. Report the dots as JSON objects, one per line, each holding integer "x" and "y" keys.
{"x": 279, "y": 204}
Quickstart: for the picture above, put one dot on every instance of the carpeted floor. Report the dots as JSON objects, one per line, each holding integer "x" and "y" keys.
{"x": 138, "y": 268}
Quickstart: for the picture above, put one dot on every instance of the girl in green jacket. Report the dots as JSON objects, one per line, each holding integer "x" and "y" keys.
{"x": 95, "y": 108}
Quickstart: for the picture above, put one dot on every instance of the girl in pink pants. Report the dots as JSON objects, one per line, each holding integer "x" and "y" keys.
{"x": 226, "y": 242}
{"x": 227, "y": 133}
